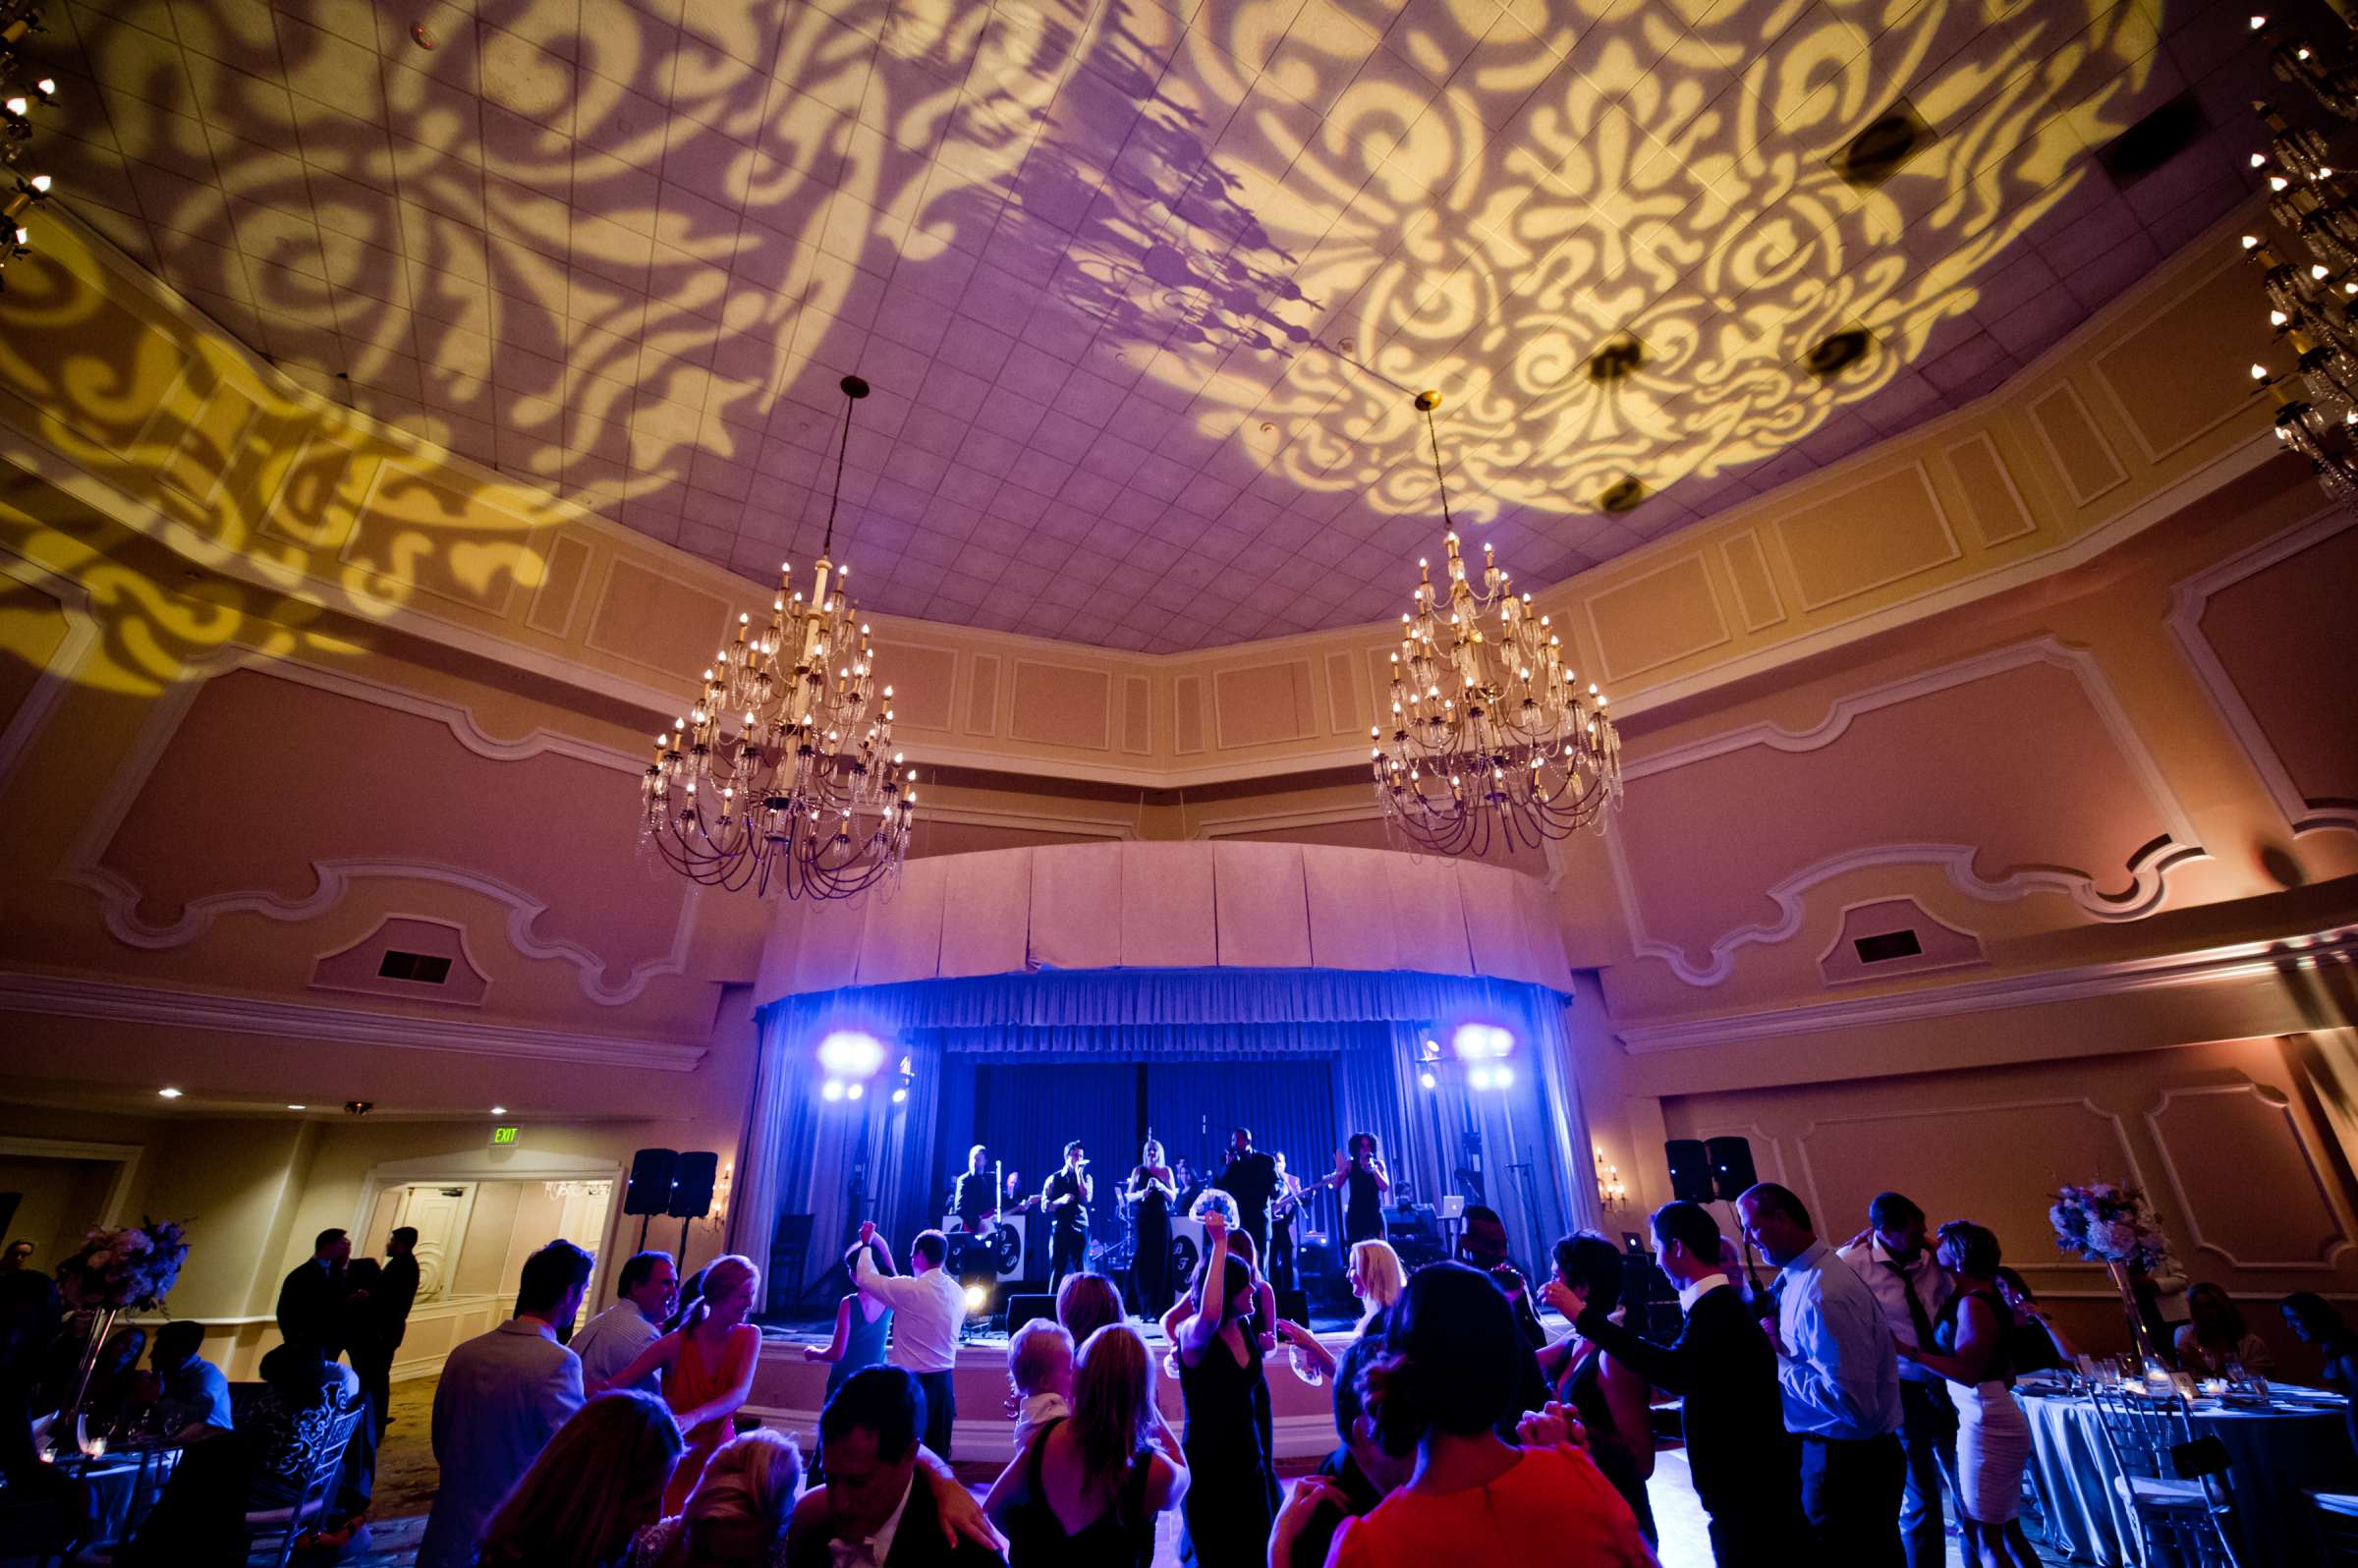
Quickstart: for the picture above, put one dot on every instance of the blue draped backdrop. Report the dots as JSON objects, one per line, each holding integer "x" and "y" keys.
{"x": 1024, "y": 1062}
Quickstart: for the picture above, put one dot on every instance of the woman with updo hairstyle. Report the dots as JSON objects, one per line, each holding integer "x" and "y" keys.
{"x": 1232, "y": 1489}
{"x": 1449, "y": 1371}
{"x": 1615, "y": 1404}
{"x": 707, "y": 1366}
{"x": 738, "y": 1515}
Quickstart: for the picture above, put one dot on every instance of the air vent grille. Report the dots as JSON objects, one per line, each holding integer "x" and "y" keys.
{"x": 1885, "y": 946}
{"x": 421, "y": 969}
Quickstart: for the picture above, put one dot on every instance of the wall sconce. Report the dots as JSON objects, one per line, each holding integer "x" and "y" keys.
{"x": 1612, "y": 1193}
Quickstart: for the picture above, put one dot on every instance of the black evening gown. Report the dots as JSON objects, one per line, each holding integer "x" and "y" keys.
{"x": 1153, "y": 1263}
{"x": 1231, "y": 1500}
{"x": 1362, "y": 1207}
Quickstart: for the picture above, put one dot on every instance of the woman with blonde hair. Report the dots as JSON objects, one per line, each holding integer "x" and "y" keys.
{"x": 597, "y": 1484}
{"x": 707, "y": 1366}
{"x": 738, "y": 1517}
{"x": 1086, "y": 1488}
{"x": 1376, "y": 1278}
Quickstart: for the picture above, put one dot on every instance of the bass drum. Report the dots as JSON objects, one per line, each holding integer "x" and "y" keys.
{"x": 1187, "y": 1251}
{"x": 1006, "y": 1244}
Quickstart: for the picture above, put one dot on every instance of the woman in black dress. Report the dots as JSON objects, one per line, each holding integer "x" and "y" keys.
{"x": 1232, "y": 1489}
{"x": 1612, "y": 1400}
{"x": 1359, "y": 1171}
{"x": 1154, "y": 1188}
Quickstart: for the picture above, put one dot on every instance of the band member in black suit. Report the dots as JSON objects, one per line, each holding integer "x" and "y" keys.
{"x": 1066, "y": 1197}
{"x": 1250, "y": 1178}
{"x": 975, "y": 1197}
{"x": 1737, "y": 1447}
{"x": 1284, "y": 1213}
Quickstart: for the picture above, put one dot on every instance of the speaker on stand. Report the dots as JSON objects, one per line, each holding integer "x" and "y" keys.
{"x": 649, "y": 1190}
{"x": 691, "y": 1192}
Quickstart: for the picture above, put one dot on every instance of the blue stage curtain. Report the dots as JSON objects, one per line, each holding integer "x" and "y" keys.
{"x": 1026, "y": 1112}
{"x": 1345, "y": 1032}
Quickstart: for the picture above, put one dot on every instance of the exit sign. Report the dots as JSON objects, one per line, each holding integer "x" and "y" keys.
{"x": 502, "y": 1137}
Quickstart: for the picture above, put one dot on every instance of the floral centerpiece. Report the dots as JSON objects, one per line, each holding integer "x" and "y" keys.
{"x": 124, "y": 1267}
{"x": 119, "y": 1269}
{"x": 2111, "y": 1224}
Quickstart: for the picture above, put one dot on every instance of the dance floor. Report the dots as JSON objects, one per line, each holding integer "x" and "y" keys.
{"x": 406, "y": 1478}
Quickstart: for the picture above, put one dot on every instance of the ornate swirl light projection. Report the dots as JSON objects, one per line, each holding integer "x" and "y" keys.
{"x": 1493, "y": 744}
{"x": 804, "y": 789}
{"x": 1153, "y": 288}
{"x": 2312, "y": 279}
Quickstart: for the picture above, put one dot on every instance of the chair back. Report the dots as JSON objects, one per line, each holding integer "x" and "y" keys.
{"x": 2336, "y": 1517}
{"x": 2141, "y": 1429}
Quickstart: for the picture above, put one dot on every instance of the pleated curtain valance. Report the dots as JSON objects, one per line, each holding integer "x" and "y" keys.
{"x": 1195, "y": 905}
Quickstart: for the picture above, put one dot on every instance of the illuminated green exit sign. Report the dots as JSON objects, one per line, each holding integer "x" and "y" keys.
{"x": 502, "y": 1137}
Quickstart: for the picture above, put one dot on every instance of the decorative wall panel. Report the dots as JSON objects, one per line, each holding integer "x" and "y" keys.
{"x": 410, "y": 533}
{"x": 1666, "y": 614}
{"x": 209, "y": 445}
{"x": 2182, "y": 371}
{"x": 922, "y": 679}
{"x": 2224, "y": 1144}
{"x": 2086, "y": 459}
{"x": 1992, "y": 502}
{"x": 1858, "y": 540}
{"x": 1262, "y": 705}
{"x": 319, "y": 496}
{"x": 560, "y": 588}
{"x": 1348, "y": 709}
{"x": 982, "y": 697}
{"x": 1138, "y": 716}
{"x": 1187, "y": 715}
{"x": 1756, "y": 590}
{"x": 1061, "y": 704}
{"x": 659, "y": 622}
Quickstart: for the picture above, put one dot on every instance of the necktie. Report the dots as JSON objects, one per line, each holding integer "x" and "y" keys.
{"x": 1916, "y": 1312}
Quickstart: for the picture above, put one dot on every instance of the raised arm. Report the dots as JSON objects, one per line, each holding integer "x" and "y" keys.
{"x": 1200, "y": 1329}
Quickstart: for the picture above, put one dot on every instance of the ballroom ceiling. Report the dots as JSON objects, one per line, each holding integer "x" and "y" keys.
{"x": 1145, "y": 292}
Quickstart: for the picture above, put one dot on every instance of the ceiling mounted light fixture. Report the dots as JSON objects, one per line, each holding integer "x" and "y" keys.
{"x": 783, "y": 772}
{"x": 1494, "y": 743}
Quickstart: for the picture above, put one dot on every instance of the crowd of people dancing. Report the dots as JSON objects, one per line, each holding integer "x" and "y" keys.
{"x": 1829, "y": 1414}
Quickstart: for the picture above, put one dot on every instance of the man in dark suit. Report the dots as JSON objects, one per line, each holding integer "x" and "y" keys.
{"x": 1250, "y": 1178}
{"x": 310, "y": 1300}
{"x": 873, "y": 1512}
{"x": 395, "y": 1294}
{"x": 1723, "y": 1364}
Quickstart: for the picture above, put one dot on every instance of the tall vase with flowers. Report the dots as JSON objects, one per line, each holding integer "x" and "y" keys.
{"x": 120, "y": 1269}
{"x": 2110, "y": 1223}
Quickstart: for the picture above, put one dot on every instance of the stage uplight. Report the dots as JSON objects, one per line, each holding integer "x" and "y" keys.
{"x": 854, "y": 1090}
{"x": 1427, "y": 1079}
{"x": 1478, "y": 1043}
{"x": 977, "y": 1298}
{"x": 851, "y": 1055}
{"x": 832, "y": 1090}
{"x": 900, "y": 1097}
{"x": 1502, "y": 1076}
{"x": 1478, "y": 1076}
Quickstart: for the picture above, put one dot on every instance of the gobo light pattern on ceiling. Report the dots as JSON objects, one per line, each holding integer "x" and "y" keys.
{"x": 1144, "y": 291}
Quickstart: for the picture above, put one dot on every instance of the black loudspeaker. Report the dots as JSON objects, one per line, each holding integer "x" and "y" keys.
{"x": 1731, "y": 1166}
{"x": 1294, "y": 1307}
{"x": 692, "y": 1186}
{"x": 1021, "y": 1308}
{"x": 650, "y": 1190}
{"x": 1690, "y": 1170}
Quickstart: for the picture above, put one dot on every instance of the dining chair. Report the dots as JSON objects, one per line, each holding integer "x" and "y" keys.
{"x": 309, "y": 1510}
{"x": 2172, "y": 1482}
{"x": 2334, "y": 1517}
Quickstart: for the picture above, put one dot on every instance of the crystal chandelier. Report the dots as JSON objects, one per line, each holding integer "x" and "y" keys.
{"x": 1494, "y": 743}
{"x": 2312, "y": 279}
{"x": 20, "y": 192}
{"x": 780, "y": 773}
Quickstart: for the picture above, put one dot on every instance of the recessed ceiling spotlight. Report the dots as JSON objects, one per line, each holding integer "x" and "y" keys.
{"x": 292, "y": 1107}
{"x": 169, "y": 1093}
{"x": 1617, "y": 360}
{"x": 423, "y": 35}
{"x": 499, "y": 1110}
{"x": 1348, "y": 344}
{"x": 1267, "y": 429}
{"x": 1837, "y": 352}
{"x": 1624, "y": 497}
{"x": 1890, "y": 140}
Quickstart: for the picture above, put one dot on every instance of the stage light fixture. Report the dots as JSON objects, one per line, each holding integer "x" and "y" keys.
{"x": 977, "y": 1298}
{"x": 854, "y": 1090}
{"x": 1502, "y": 1076}
{"x": 1427, "y": 1079}
{"x": 832, "y": 1090}
{"x": 1478, "y": 1076}
{"x": 1477, "y": 1043}
{"x": 900, "y": 1097}
{"x": 849, "y": 1054}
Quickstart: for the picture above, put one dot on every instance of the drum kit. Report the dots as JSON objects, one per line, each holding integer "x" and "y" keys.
{"x": 996, "y": 1243}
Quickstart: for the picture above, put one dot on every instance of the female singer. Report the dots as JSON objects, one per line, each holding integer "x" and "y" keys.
{"x": 1359, "y": 1171}
{"x": 1154, "y": 1188}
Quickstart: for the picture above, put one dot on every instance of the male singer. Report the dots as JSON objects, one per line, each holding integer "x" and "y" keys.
{"x": 1252, "y": 1180}
{"x": 1066, "y": 1197}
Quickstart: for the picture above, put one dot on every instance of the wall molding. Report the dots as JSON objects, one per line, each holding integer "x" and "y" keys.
{"x": 2148, "y": 872}
{"x": 1998, "y": 993}
{"x": 2276, "y": 1101}
{"x": 61, "y": 997}
{"x": 2187, "y": 604}
{"x": 119, "y": 898}
{"x": 50, "y": 686}
{"x": 1028, "y": 822}
{"x": 125, "y": 1157}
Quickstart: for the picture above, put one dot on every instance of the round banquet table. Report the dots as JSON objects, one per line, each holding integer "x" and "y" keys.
{"x": 2273, "y": 1455}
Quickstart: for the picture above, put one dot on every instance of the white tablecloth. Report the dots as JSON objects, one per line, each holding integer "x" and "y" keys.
{"x": 2272, "y": 1456}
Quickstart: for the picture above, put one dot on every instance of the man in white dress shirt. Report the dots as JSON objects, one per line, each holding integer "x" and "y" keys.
{"x": 928, "y": 1305}
{"x": 645, "y": 1295}
{"x": 1896, "y": 1263}
{"x": 1840, "y": 1379}
{"x": 502, "y": 1396}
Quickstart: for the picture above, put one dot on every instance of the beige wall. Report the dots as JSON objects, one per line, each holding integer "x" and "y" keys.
{"x": 56, "y": 1199}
